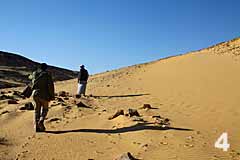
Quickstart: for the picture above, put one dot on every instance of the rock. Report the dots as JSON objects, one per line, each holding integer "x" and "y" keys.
{"x": 144, "y": 145}
{"x": 18, "y": 94}
{"x": 118, "y": 113}
{"x": 164, "y": 143}
{"x": 156, "y": 116}
{"x": 133, "y": 112}
{"x": 54, "y": 119}
{"x": 78, "y": 96}
{"x": 146, "y": 106}
{"x": 3, "y": 97}
{"x": 66, "y": 98}
{"x": 59, "y": 99}
{"x": 126, "y": 156}
{"x": 62, "y": 94}
{"x": 138, "y": 119}
{"x": 163, "y": 122}
{"x": 68, "y": 108}
{"x": 4, "y": 112}
{"x": 188, "y": 145}
{"x": 55, "y": 104}
{"x": 81, "y": 104}
{"x": 12, "y": 101}
{"x": 3, "y": 141}
{"x": 27, "y": 106}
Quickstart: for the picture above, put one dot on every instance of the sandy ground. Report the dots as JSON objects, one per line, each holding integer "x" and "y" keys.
{"x": 198, "y": 92}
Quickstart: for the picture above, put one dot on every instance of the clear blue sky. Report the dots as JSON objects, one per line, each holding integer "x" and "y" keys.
{"x": 108, "y": 34}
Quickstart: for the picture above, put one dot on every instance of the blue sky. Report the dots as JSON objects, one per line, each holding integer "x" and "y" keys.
{"x": 108, "y": 34}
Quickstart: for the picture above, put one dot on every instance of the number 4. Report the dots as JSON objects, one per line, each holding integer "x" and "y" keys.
{"x": 222, "y": 142}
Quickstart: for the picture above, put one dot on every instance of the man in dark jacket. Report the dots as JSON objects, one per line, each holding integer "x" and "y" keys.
{"x": 82, "y": 80}
{"x": 43, "y": 93}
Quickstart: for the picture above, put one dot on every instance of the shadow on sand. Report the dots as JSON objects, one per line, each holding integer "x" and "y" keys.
{"x": 137, "y": 127}
{"x": 120, "y": 96}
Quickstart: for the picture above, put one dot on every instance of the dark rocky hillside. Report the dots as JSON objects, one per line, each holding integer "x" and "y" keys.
{"x": 15, "y": 69}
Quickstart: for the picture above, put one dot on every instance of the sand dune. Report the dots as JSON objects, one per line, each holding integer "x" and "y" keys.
{"x": 198, "y": 92}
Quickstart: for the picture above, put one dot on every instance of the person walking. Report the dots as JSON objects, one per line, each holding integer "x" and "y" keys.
{"x": 82, "y": 81}
{"x": 43, "y": 93}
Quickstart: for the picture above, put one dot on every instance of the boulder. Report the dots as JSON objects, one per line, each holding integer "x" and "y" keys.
{"x": 62, "y": 94}
{"x": 126, "y": 156}
{"x": 118, "y": 113}
{"x": 78, "y": 96}
{"x": 81, "y": 104}
{"x": 59, "y": 99}
{"x": 147, "y": 106}
{"x": 12, "y": 101}
{"x": 133, "y": 112}
{"x": 27, "y": 106}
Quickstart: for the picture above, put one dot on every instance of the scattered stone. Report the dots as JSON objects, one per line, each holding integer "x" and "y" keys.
{"x": 54, "y": 119}
{"x": 66, "y": 98}
{"x": 18, "y": 94}
{"x": 68, "y": 108}
{"x": 3, "y": 97}
{"x": 118, "y": 113}
{"x": 81, "y": 104}
{"x": 156, "y": 116}
{"x": 163, "y": 122}
{"x": 63, "y": 104}
{"x": 78, "y": 96}
{"x": 4, "y": 112}
{"x": 12, "y": 101}
{"x": 164, "y": 143}
{"x": 144, "y": 145}
{"x": 108, "y": 85}
{"x": 59, "y": 99}
{"x": 189, "y": 145}
{"x": 133, "y": 112}
{"x": 189, "y": 138}
{"x": 138, "y": 119}
{"x": 126, "y": 156}
{"x": 62, "y": 94}
{"x": 2, "y": 92}
{"x": 147, "y": 106}
{"x": 27, "y": 106}
{"x": 3, "y": 141}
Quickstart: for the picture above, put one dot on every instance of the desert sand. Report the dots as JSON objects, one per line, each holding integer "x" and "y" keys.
{"x": 197, "y": 91}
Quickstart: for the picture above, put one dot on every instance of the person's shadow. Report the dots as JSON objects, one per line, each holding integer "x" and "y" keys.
{"x": 137, "y": 127}
{"x": 119, "y": 96}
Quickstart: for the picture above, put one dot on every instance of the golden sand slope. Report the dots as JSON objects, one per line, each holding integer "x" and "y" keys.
{"x": 197, "y": 91}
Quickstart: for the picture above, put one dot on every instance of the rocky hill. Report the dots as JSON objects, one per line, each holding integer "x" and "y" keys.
{"x": 14, "y": 70}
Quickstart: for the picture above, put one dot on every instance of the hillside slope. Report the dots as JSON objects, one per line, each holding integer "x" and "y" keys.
{"x": 198, "y": 92}
{"x": 14, "y": 70}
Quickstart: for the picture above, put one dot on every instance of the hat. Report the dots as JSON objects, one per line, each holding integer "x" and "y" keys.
{"x": 82, "y": 66}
